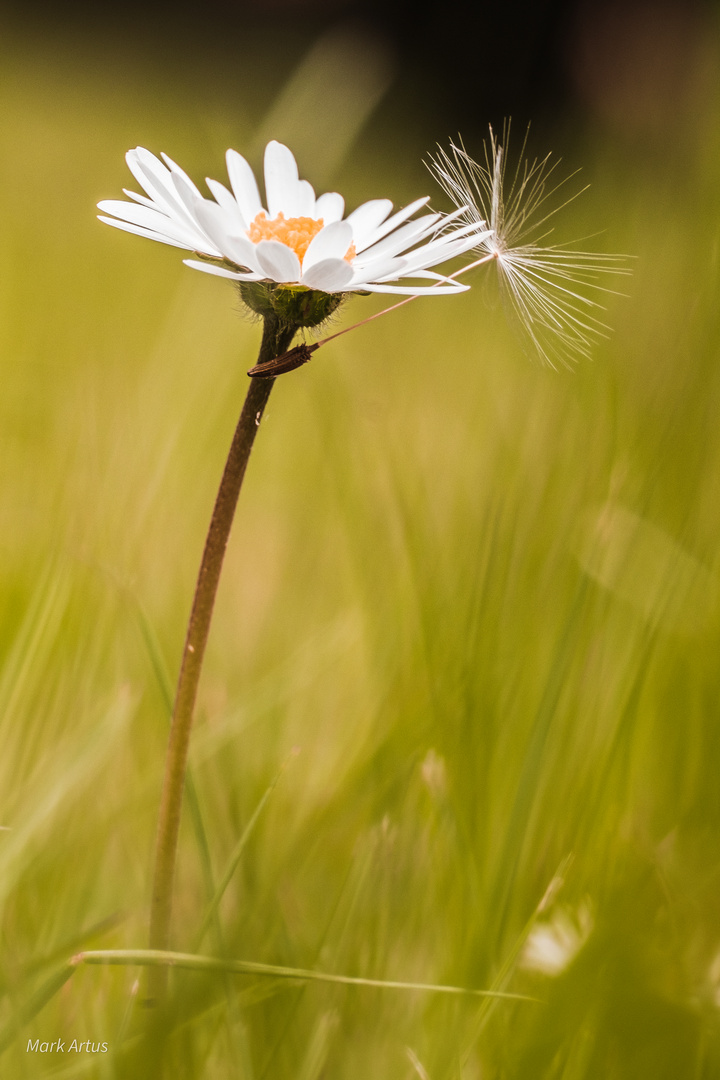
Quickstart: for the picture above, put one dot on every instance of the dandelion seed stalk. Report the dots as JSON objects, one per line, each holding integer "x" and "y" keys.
{"x": 277, "y": 336}
{"x": 302, "y": 354}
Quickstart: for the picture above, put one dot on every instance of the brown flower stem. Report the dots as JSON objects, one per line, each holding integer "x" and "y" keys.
{"x": 276, "y": 339}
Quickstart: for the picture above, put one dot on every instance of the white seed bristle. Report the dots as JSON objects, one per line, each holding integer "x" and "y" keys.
{"x": 555, "y": 290}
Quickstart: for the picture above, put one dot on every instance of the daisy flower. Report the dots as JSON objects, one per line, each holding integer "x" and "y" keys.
{"x": 554, "y": 290}
{"x": 295, "y": 239}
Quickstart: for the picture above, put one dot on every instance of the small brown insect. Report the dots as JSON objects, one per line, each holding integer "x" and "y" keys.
{"x": 295, "y": 358}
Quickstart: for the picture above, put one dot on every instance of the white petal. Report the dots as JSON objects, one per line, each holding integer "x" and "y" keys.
{"x": 391, "y": 223}
{"x": 142, "y": 199}
{"x": 416, "y": 290}
{"x": 304, "y": 200}
{"x": 173, "y": 193}
{"x": 281, "y": 178}
{"x": 156, "y": 221}
{"x": 212, "y": 220}
{"x": 445, "y": 247}
{"x": 157, "y": 181}
{"x": 198, "y": 216}
{"x": 330, "y": 275}
{"x": 401, "y": 239}
{"x": 154, "y": 190}
{"x": 466, "y": 235}
{"x": 243, "y": 252}
{"x": 366, "y": 219}
{"x": 378, "y": 271}
{"x": 330, "y": 207}
{"x": 220, "y": 228}
{"x": 244, "y": 185}
{"x": 332, "y": 242}
{"x": 188, "y": 200}
{"x": 225, "y": 199}
{"x": 429, "y": 274}
{"x": 220, "y": 271}
{"x": 175, "y": 168}
{"x": 139, "y": 231}
{"x": 277, "y": 261}
{"x": 139, "y": 214}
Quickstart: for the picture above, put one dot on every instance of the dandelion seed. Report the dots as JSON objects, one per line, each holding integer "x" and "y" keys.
{"x": 554, "y": 290}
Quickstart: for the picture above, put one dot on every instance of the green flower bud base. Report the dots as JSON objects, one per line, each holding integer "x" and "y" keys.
{"x": 289, "y": 305}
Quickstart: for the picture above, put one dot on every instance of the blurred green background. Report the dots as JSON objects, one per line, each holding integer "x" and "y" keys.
{"x": 478, "y": 598}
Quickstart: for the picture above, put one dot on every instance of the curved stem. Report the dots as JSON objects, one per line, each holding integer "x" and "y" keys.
{"x": 276, "y": 339}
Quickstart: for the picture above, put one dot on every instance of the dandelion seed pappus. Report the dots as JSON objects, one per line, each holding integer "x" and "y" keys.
{"x": 556, "y": 291}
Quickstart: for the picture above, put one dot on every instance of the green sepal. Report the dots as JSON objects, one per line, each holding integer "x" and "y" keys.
{"x": 292, "y": 305}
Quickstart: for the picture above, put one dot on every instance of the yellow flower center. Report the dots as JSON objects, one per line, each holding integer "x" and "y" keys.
{"x": 294, "y": 232}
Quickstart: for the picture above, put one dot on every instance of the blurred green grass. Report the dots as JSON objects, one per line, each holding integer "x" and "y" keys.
{"x": 480, "y": 597}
